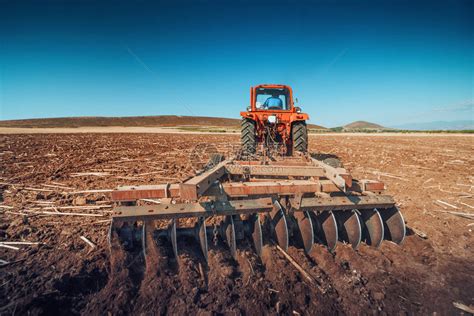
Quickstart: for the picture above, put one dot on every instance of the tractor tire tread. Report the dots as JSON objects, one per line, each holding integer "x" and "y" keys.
{"x": 300, "y": 136}
{"x": 247, "y": 137}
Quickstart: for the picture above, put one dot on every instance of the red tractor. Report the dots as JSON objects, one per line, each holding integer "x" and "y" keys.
{"x": 273, "y": 121}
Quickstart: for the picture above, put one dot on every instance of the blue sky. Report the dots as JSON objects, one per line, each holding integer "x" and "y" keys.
{"x": 389, "y": 62}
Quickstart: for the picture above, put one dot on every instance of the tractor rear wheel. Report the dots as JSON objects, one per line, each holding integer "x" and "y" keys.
{"x": 247, "y": 137}
{"x": 299, "y": 135}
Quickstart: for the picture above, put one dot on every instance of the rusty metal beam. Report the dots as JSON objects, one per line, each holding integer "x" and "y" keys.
{"x": 248, "y": 163}
{"x": 186, "y": 210}
{"x": 282, "y": 162}
{"x": 232, "y": 189}
{"x": 133, "y": 193}
{"x": 275, "y": 170}
{"x": 273, "y": 187}
{"x": 196, "y": 186}
{"x": 333, "y": 203}
{"x": 337, "y": 175}
{"x": 368, "y": 186}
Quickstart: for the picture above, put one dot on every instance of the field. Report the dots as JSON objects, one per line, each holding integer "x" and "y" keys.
{"x": 41, "y": 176}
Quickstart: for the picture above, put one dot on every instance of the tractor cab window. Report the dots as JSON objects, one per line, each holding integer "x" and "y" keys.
{"x": 272, "y": 100}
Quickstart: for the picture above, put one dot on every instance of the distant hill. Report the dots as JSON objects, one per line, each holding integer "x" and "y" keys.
{"x": 319, "y": 127}
{"x": 358, "y": 125}
{"x": 141, "y": 121}
{"x": 162, "y": 120}
{"x": 438, "y": 125}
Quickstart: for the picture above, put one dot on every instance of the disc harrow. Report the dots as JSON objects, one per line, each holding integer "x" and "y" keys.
{"x": 287, "y": 199}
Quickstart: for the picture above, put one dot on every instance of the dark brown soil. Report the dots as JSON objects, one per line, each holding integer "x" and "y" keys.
{"x": 64, "y": 275}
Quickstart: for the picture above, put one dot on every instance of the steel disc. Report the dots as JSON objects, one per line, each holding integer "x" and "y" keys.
{"x": 372, "y": 227}
{"x": 325, "y": 229}
{"x": 143, "y": 237}
{"x": 172, "y": 237}
{"x": 201, "y": 236}
{"x": 279, "y": 225}
{"x": 394, "y": 224}
{"x": 349, "y": 227}
{"x": 305, "y": 225}
{"x": 229, "y": 233}
{"x": 256, "y": 230}
{"x": 110, "y": 233}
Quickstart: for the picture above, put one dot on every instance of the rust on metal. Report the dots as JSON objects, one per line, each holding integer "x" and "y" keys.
{"x": 328, "y": 186}
{"x": 186, "y": 210}
{"x": 232, "y": 189}
{"x": 285, "y": 162}
{"x": 281, "y": 187}
{"x": 370, "y": 185}
{"x": 133, "y": 193}
{"x": 339, "y": 176}
{"x": 275, "y": 170}
{"x": 194, "y": 187}
{"x": 331, "y": 203}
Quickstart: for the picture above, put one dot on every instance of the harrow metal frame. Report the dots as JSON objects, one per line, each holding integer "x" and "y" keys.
{"x": 299, "y": 196}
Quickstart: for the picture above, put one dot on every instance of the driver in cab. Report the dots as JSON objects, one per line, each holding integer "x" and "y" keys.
{"x": 273, "y": 102}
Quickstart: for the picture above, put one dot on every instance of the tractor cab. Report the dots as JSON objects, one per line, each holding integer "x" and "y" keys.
{"x": 271, "y": 97}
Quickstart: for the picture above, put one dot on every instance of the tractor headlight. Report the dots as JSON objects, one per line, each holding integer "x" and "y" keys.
{"x": 272, "y": 119}
{"x": 298, "y": 109}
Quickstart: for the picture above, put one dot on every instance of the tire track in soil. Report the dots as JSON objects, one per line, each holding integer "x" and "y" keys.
{"x": 117, "y": 296}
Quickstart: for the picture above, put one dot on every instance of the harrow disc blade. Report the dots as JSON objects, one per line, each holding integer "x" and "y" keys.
{"x": 173, "y": 238}
{"x": 110, "y": 233}
{"x": 372, "y": 227}
{"x": 325, "y": 228}
{"x": 201, "y": 236}
{"x": 143, "y": 236}
{"x": 280, "y": 226}
{"x": 305, "y": 225}
{"x": 349, "y": 227}
{"x": 394, "y": 224}
{"x": 229, "y": 233}
{"x": 256, "y": 229}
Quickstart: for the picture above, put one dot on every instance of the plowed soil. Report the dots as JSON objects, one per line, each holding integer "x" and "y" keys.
{"x": 40, "y": 176}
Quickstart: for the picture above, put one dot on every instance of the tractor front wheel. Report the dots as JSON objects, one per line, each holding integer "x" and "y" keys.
{"x": 247, "y": 137}
{"x": 299, "y": 135}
